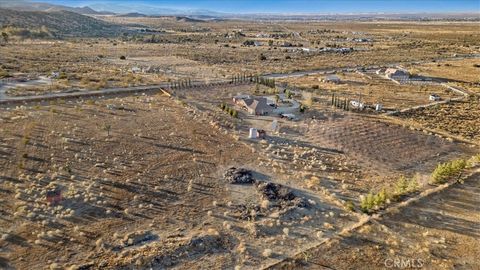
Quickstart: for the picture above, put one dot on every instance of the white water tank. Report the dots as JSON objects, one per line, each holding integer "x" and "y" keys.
{"x": 253, "y": 133}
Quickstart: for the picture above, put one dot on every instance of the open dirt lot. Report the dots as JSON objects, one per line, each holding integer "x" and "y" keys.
{"x": 142, "y": 176}
{"x": 111, "y": 184}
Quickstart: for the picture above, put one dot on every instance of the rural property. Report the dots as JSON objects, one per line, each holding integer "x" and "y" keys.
{"x": 185, "y": 135}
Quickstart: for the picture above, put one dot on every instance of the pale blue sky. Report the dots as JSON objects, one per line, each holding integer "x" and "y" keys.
{"x": 283, "y": 6}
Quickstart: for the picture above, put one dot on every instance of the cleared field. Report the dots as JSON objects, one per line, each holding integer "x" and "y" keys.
{"x": 141, "y": 184}
{"x": 461, "y": 70}
{"x": 464, "y": 73}
{"x": 120, "y": 170}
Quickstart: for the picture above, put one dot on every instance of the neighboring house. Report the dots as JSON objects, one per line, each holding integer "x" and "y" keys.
{"x": 397, "y": 74}
{"x": 332, "y": 79}
{"x": 434, "y": 97}
{"x": 255, "y": 106}
{"x": 239, "y": 98}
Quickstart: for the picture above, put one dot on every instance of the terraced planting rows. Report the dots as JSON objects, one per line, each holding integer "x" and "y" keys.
{"x": 383, "y": 146}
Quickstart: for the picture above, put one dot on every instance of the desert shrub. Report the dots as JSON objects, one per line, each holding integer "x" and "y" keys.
{"x": 303, "y": 108}
{"x": 288, "y": 94}
{"x": 349, "y": 206}
{"x": 380, "y": 198}
{"x": 26, "y": 139}
{"x": 445, "y": 171}
{"x": 4, "y": 73}
{"x": 474, "y": 160}
{"x": 232, "y": 112}
{"x": 401, "y": 186}
{"x": 367, "y": 203}
{"x": 374, "y": 201}
{"x": 62, "y": 76}
{"x": 404, "y": 186}
{"x": 122, "y": 57}
{"x": 103, "y": 83}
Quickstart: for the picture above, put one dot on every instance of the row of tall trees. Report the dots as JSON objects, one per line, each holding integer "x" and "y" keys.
{"x": 244, "y": 77}
{"x": 181, "y": 84}
{"x": 235, "y": 79}
{"x": 341, "y": 103}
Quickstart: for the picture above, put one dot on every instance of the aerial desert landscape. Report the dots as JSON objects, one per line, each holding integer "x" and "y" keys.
{"x": 135, "y": 136}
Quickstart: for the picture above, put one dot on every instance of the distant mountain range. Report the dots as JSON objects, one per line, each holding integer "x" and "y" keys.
{"x": 21, "y": 5}
{"x": 142, "y": 10}
{"x": 105, "y": 9}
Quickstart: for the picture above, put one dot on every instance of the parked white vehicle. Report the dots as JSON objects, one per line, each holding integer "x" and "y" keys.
{"x": 434, "y": 97}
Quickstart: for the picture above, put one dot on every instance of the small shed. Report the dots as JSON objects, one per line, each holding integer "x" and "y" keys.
{"x": 252, "y": 133}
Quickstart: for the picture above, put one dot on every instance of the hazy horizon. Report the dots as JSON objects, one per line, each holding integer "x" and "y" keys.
{"x": 279, "y": 6}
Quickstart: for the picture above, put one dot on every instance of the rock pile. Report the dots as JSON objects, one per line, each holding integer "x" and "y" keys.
{"x": 279, "y": 193}
{"x": 239, "y": 176}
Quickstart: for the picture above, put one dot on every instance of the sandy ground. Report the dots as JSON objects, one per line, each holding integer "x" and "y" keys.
{"x": 141, "y": 184}
{"x": 438, "y": 232}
